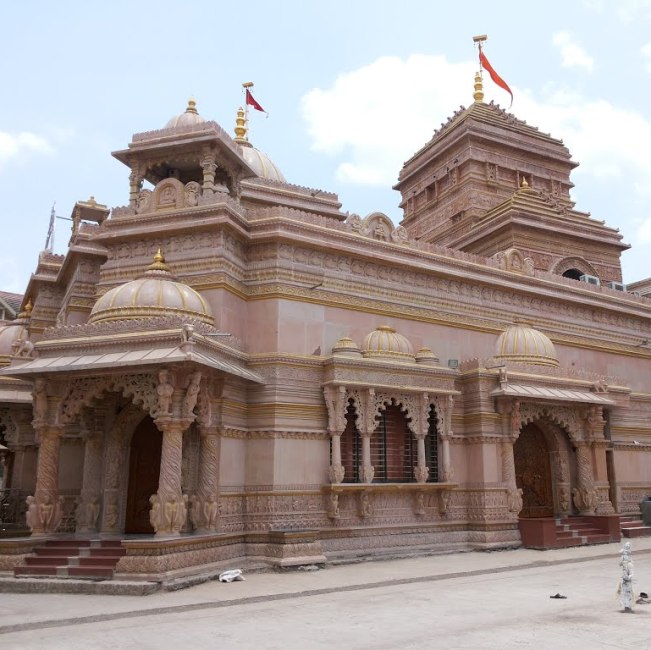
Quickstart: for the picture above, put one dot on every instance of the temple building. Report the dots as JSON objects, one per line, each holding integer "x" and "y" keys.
{"x": 231, "y": 368}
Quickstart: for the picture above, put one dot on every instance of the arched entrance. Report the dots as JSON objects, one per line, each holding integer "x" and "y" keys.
{"x": 144, "y": 471}
{"x": 533, "y": 472}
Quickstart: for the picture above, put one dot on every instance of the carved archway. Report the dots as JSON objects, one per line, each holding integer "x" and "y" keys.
{"x": 533, "y": 472}
{"x": 569, "y": 263}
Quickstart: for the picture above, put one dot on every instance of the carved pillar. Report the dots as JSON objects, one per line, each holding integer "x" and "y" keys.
{"x": 335, "y": 397}
{"x": 88, "y": 505}
{"x": 421, "y": 471}
{"x": 169, "y": 504}
{"x": 44, "y": 509}
{"x": 204, "y": 510}
{"x": 445, "y": 407}
{"x": 367, "y": 471}
{"x": 135, "y": 185}
{"x": 513, "y": 424}
{"x": 585, "y": 495}
{"x": 209, "y": 168}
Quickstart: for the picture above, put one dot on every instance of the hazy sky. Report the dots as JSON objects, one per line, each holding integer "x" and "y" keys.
{"x": 352, "y": 88}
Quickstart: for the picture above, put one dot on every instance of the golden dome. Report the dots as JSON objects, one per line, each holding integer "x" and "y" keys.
{"x": 521, "y": 342}
{"x": 385, "y": 342}
{"x": 155, "y": 293}
{"x": 189, "y": 117}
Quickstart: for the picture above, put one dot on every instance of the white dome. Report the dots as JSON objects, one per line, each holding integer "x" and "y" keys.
{"x": 156, "y": 293}
{"x": 189, "y": 117}
{"x": 385, "y": 342}
{"x": 521, "y": 342}
{"x": 261, "y": 164}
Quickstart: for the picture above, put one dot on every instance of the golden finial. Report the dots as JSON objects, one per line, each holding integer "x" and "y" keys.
{"x": 92, "y": 201}
{"x": 159, "y": 263}
{"x": 192, "y": 106}
{"x": 240, "y": 127}
{"x": 478, "y": 95}
{"x": 524, "y": 183}
{"x": 27, "y": 310}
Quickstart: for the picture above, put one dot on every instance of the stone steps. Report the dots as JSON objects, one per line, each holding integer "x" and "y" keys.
{"x": 575, "y": 531}
{"x": 633, "y": 526}
{"x": 71, "y": 558}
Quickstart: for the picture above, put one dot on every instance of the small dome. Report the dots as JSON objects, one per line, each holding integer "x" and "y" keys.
{"x": 346, "y": 347}
{"x": 13, "y": 333}
{"x": 426, "y": 357}
{"x": 155, "y": 293}
{"x": 385, "y": 342}
{"x": 261, "y": 164}
{"x": 189, "y": 117}
{"x": 521, "y": 342}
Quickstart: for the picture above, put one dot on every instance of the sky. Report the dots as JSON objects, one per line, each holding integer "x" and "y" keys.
{"x": 352, "y": 88}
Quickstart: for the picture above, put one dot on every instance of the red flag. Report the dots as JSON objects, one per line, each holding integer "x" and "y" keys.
{"x": 494, "y": 76}
{"x": 250, "y": 101}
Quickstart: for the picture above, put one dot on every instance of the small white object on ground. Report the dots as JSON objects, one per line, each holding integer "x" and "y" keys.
{"x": 231, "y": 575}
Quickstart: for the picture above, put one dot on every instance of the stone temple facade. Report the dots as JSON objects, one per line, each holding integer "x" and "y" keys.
{"x": 231, "y": 368}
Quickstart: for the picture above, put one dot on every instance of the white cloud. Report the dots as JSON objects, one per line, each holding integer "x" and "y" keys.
{"x": 20, "y": 146}
{"x": 378, "y": 115}
{"x": 626, "y": 11}
{"x": 573, "y": 55}
{"x": 643, "y": 235}
{"x": 374, "y": 118}
{"x": 646, "y": 53}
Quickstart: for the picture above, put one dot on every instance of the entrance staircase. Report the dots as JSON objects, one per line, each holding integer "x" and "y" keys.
{"x": 633, "y": 526}
{"x": 576, "y": 531}
{"x": 72, "y": 558}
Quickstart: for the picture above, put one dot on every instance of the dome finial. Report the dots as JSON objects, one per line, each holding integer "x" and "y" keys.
{"x": 192, "y": 106}
{"x": 240, "y": 128}
{"x": 478, "y": 95}
{"x": 524, "y": 183}
{"x": 158, "y": 263}
{"x": 27, "y": 310}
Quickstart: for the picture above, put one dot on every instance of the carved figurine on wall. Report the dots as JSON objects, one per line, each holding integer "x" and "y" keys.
{"x": 164, "y": 391}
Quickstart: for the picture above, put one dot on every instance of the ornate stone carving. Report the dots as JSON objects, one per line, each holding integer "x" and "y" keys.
{"x": 585, "y": 495}
{"x": 333, "y": 506}
{"x": 164, "y": 390}
{"x": 191, "y": 395}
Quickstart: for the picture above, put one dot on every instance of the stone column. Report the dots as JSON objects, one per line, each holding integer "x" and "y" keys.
{"x": 445, "y": 408}
{"x": 44, "y": 509}
{"x": 135, "y": 185}
{"x": 337, "y": 471}
{"x": 585, "y": 495}
{"x": 209, "y": 168}
{"x": 513, "y": 426}
{"x": 335, "y": 397}
{"x": 205, "y": 507}
{"x": 169, "y": 504}
{"x": 367, "y": 419}
{"x": 88, "y": 505}
{"x": 421, "y": 471}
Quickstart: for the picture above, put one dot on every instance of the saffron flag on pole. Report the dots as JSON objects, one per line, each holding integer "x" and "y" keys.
{"x": 494, "y": 76}
{"x": 250, "y": 101}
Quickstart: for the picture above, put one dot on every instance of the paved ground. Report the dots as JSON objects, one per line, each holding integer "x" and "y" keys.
{"x": 496, "y": 600}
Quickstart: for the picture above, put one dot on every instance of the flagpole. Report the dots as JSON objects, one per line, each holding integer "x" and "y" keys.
{"x": 246, "y": 85}
{"x": 479, "y": 40}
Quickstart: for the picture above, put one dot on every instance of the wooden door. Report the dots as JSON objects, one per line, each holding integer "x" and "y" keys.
{"x": 144, "y": 471}
{"x": 533, "y": 473}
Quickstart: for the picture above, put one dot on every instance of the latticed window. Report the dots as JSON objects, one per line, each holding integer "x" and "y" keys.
{"x": 351, "y": 446}
{"x": 393, "y": 447}
{"x": 432, "y": 446}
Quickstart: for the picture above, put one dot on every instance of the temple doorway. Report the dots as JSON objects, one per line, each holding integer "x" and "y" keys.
{"x": 533, "y": 472}
{"x": 144, "y": 471}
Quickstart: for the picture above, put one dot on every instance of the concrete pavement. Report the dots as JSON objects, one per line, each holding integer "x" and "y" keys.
{"x": 448, "y": 594}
